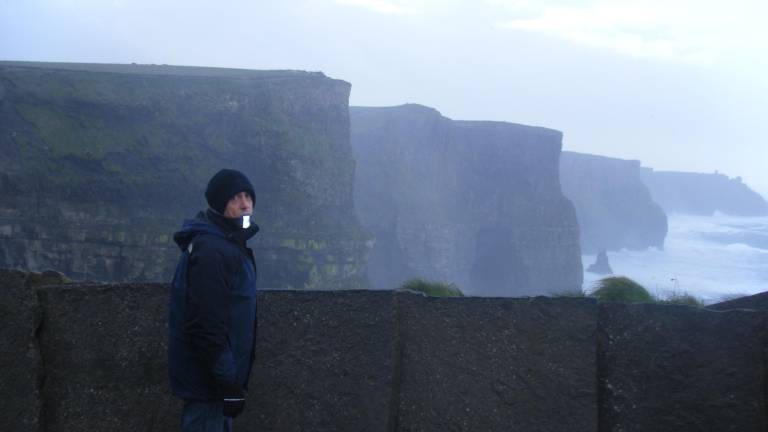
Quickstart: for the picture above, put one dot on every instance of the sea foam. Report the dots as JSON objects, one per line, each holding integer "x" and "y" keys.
{"x": 709, "y": 257}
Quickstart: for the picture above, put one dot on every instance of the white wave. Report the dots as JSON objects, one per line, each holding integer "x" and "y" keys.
{"x": 694, "y": 262}
{"x": 742, "y": 247}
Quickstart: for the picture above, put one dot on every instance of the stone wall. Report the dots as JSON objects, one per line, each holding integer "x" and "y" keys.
{"x": 99, "y": 165}
{"x": 756, "y": 302}
{"x": 20, "y": 362}
{"x": 678, "y": 368}
{"x": 93, "y": 357}
{"x": 473, "y": 203}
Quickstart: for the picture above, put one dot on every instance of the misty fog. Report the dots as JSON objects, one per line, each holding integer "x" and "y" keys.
{"x": 679, "y": 86}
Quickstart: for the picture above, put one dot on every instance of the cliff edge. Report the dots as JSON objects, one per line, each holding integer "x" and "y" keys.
{"x": 474, "y": 203}
{"x": 100, "y": 163}
{"x": 614, "y": 208}
{"x": 703, "y": 194}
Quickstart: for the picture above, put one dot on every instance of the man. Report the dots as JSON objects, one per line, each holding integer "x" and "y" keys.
{"x": 212, "y": 323}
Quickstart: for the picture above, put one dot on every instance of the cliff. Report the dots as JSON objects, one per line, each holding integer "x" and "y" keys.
{"x": 703, "y": 194}
{"x": 614, "y": 208}
{"x": 93, "y": 357}
{"x": 100, "y": 163}
{"x": 474, "y": 203}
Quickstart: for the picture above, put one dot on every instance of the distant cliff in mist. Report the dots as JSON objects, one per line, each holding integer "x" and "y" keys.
{"x": 703, "y": 194}
{"x": 614, "y": 208}
{"x": 470, "y": 202}
{"x": 100, "y": 163}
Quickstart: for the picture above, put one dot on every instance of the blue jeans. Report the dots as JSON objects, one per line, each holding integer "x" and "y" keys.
{"x": 204, "y": 416}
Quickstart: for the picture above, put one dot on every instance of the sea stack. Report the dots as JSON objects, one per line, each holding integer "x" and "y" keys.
{"x": 601, "y": 265}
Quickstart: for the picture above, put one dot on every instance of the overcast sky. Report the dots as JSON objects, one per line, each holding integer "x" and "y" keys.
{"x": 678, "y": 84}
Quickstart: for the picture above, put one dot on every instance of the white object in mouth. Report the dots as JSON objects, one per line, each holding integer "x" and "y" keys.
{"x": 246, "y": 221}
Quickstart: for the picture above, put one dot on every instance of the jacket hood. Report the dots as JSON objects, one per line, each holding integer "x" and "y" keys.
{"x": 202, "y": 224}
{"x": 191, "y": 228}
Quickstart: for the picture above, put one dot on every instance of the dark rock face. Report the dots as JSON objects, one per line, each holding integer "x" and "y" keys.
{"x": 703, "y": 194}
{"x": 614, "y": 208}
{"x": 666, "y": 368}
{"x": 105, "y": 359}
{"x": 477, "y": 204}
{"x": 20, "y": 362}
{"x": 498, "y": 364}
{"x": 601, "y": 265}
{"x": 325, "y": 362}
{"x": 754, "y": 302}
{"x": 99, "y": 164}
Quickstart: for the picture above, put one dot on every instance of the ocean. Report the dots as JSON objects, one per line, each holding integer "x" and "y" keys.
{"x": 713, "y": 258}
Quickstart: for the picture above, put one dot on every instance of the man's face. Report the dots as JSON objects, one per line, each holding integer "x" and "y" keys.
{"x": 239, "y": 205}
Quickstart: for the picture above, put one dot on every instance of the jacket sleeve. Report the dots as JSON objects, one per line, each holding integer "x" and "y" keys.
{"x": 208, "y": 320}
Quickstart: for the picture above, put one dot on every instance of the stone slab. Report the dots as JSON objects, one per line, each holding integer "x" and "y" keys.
{"x": 20, "y": 363}
{"x": 105, "y": 354}
{"x": 324, "y": 362}
{"x": 679, "y": 368}
{"x": 755, "y": 302}
{"x": 491, "y": 364}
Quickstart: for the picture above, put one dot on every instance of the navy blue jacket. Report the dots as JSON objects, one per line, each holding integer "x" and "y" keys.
{"x": 212, "y": 322}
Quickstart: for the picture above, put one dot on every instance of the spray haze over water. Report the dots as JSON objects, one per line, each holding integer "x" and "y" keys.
{"x": 709, "y": 257}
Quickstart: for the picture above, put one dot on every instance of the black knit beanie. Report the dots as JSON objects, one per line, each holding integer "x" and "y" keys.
{"x": 224, "y": 185}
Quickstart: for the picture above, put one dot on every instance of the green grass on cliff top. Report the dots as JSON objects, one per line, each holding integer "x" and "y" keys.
{"x": 163, "y": 69}
{"x": 432, "y": 288}
{"x": 622, "y": 289}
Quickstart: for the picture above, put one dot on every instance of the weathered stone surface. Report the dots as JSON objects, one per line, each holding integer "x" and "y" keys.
{"x": 473, "y": 203}
{"x": 614, "y": 208}
{"x": 756, "y": 302}
{"x": 382, "y": 361}
{"x": 703, "y": 194}
{"x": 20, "y": 364}
{"x": 105, "y": 358}
{"x": 325, "y": 362}
{"x": 678, "y": 368}
{"x": 478, "y": 364}
{"x": 99, "y": 164}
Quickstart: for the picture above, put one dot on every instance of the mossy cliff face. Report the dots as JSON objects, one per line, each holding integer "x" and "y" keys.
{"x": 100, "y": 163}
{"x": 477, "y": 204}
{"x": 614, "y": 207}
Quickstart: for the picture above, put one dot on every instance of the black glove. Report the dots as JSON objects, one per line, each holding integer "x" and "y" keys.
{"x": 234, "y": 400}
